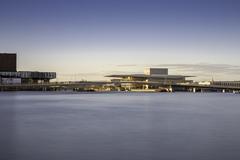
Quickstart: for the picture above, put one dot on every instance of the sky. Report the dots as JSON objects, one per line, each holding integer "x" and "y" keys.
{"x": 87, "y": 39}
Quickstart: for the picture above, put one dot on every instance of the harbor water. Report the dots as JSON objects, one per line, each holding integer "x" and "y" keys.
{"x": 119, "y": 126}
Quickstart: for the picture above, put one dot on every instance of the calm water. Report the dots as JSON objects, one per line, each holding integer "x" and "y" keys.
{"x": 119, "y": 126}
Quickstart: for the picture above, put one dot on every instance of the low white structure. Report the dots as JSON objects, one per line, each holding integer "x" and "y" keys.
{"x": 10, "y": 81}
{"x": 206, "y": 83}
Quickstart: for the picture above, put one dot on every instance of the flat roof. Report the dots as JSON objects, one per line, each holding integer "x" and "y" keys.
{"x": 9, "y": 53}
{"x": 147, "y": 76}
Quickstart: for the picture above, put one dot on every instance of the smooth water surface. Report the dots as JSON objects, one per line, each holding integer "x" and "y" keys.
{"x": 119, "y": 126}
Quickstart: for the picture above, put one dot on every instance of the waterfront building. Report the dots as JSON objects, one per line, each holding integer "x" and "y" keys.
{"x": 226, "y": 83}
{"x": 10, "y": 75}
{"x": 152, "y": 78}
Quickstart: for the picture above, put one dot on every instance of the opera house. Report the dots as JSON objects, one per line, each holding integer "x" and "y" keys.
{"x": 152, "y": 78}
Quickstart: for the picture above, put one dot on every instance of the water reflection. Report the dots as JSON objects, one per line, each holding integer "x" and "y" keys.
{"x": 45, "y": 125}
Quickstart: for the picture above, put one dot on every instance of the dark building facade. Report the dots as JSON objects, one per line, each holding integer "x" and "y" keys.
{"x": 8, "y": 62}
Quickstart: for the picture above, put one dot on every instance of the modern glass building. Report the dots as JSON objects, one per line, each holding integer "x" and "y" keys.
{"x": 10, "y": 75}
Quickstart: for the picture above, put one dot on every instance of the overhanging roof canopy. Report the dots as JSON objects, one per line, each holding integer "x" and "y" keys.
{"x": 146, "y": 76}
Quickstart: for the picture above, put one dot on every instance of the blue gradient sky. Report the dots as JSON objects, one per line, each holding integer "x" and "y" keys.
{"x": 85, "y": 39}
